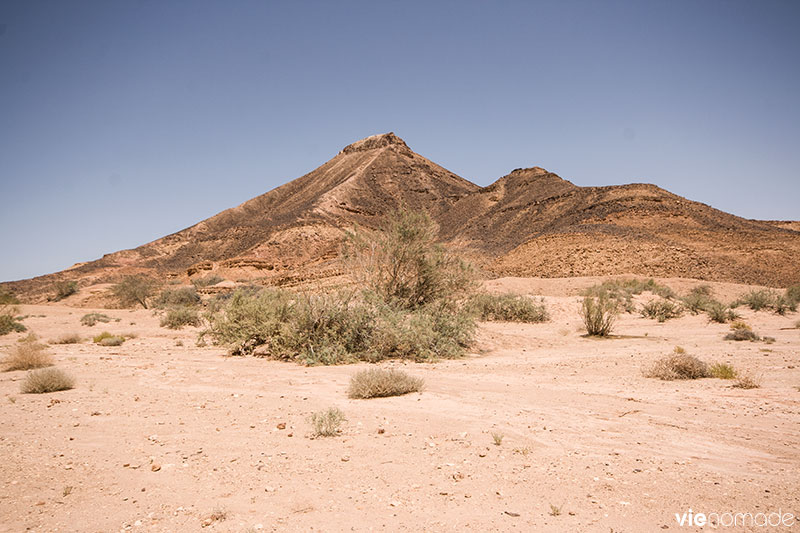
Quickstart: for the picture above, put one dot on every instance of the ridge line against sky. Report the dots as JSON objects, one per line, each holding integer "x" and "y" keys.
{"x": 127, "y": 121}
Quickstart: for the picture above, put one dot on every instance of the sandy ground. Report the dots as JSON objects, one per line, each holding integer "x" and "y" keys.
{"x": 162, "y": 437}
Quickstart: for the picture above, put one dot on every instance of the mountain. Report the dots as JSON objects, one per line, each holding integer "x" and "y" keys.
{"x": 530, "y": 222}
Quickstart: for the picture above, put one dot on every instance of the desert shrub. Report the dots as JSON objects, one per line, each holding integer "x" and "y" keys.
{"x": 9, "y": 320}
{"x": 90, "y": 319}
{"x": 699, "y": 299}
{"x": 7, "y": 297}
{"x": 207, "y": 281}
{"x": 185, "y": 296}
{"x": 719, "y": 312}
{"x": 404, "y": 265}
{"x": 327, "y": 423}
{"x": 107, "y": 339}
{"x": 177, "y": 317}
{"x": 722, "y": 371}
{"x": 508, "y": 308}
{"x": 783, "y": 304}
{"x": 380, "y": 383}
{"x": 740, "y": 331}
{"x": 661, "y": 310}
{"x": 47, "y": 380}
{"x": 26, "y": 356}
{"x": 599, "y": 314}
{"x": 678, "y": 366}
{"x": 793, "y": 294}
{"x": 759, "y": 299}
{"x": 64, "y": 289}
{"x": 747, "y": 381}
{"x": 67, "y": 338}
{"x": 134, "y": 290}
{"x": 621, "y": 291}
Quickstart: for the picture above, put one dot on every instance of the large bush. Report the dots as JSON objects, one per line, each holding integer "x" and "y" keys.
{"x": 508, "y": 308}
{"x": 134, "y": 290}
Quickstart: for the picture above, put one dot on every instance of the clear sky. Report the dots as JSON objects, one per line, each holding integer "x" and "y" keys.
{"x": 121, "y": 122}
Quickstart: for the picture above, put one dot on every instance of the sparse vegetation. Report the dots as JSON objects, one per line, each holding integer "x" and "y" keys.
{"x": 90, "y": 319}
{"x": 678, "y": 365}
{"x": 719, "y": 312}
{"x": 758, "y": 299}
{"x": 107, "y": 339}
{"x": 508, "y": 308}
{"x": 327, "y": 423}
{"x": 661, "y": 310}
{"x": 747, "y": 381}
{"x": 555, "y": 510}
{"x": 207, "y": 281}
{"x": 177, "y": 317}
{"x": 67, "y": 338}
{"x": 599, "y": 314}
{"x": 622, "y": 291}
{"x": 9, "y": 319}
{"x": 793, "y": 294}
{"x": 64, "y": 289}
{"x": 698, "y": 299}
{"x": 184, "y": 296}
{"x": 27, "y": 356}
{"x": 722, "y": 371}
{"x": 497, "y": 438}
{"x": 380, "y": 383}
{"x": 740, "y": 331}
{"x": 7, "y": 297}
{"x": 134, "y": 290}
{"x": 47, "y": 380}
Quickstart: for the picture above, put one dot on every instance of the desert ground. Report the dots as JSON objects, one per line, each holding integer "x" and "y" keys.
{"x": 161, "y": 435}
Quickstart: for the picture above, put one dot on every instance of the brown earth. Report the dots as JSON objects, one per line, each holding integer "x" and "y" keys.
{"x": 528, "y": 223}
{"x": 162, "y": 436}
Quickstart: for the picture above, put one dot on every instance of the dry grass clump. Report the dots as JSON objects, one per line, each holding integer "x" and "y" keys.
{"x": 67, "y": 338}
{"x": 177, "y": 317}
{"x": 661, "y": 310}
{"x": 722, "y": 371}
{"x": 380, "y": 383}
{"x": 598, "y": 314}
{"x": 747, "y": 381}
{"x": 90, "y": 319}
{"x": 740, "y": 331}
{"x": 508, "y": 308}
{"x": 107, "y": 339}
{"x": 678, "y": 365}
{"x": 47, "y": 380}
{"x": 327, "y": 423}
{"x": 27, "y": 355}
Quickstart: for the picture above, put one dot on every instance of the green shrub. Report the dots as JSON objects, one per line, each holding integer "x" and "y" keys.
{"x": 380, "y": 383}
{"x": 91, "y": 319}
{"x": 508, "y": 308}
{"x": 47, "y": 380}
{"x": 661, "y": 310}
{"x": 177, "y": 317}
{"x": 599, "y": 314}
{"x": 784, "y": 304}
{"x": 185, "y": 296}
{"x": 327, "y": 423}
{"x": 719, "y": 312}
{"x": 793, "y": 294}
{"x": 7, "y": 297}
{"x": 678, "y": 365}
{"x": 9, "y": 321}
{"x": 207, "y": 281}
{"x": 26, "y": 356}
{"x": 759, "y": 299}
{"x": 699, "y": 299}
{"x": 134, "y": 290}
{"x": 621, "y": 291}
{"x": 722, "y": 371}
{"x": 64, "y": 289}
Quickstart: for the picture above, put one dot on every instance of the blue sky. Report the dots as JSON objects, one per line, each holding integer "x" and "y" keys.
{"x": 121, "y": 122}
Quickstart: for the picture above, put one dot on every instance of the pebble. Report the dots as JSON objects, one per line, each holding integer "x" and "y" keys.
{"x": 155, "y": 467}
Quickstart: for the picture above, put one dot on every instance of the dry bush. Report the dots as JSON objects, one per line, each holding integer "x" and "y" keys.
{"x": 177, "y": 317}
{"x": 327, "y": 423}
{"x": 740, "y": 331}
{"x": 698, "y": 299}
{"x": 67, "y": 338}
{"x": 661, "y": 310}
{"x": 90, "y": 319}
{"x": 747, "y": 381}
{"x": 380, "y": 383}
{"x": 9, "y": 320}
{"x": 27, "y": 355}
{"x": 184, "y": 297}
{"x": 508, "y": 308}
{"x": 47, "y": 380}
{"x": 678, "y": 366}
{"x": 107, "y": 339}
{"x": 207, "y": 281}
{"x": 599, "y": 314}
{"x": 7, "y": 297}
{"x": 719, "y": 312}
{"x": 134, "y": 290}
{"x": 722, "y": 371}
{"x": 622, "y": 291}
{"x": 793, "y": 293}
{"x": 64, "y": 289}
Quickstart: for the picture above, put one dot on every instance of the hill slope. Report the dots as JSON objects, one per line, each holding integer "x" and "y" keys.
{"x": 528, "y": 223}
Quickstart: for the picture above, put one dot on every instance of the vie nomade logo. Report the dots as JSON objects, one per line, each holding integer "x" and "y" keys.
{"x": 714, "y": 520}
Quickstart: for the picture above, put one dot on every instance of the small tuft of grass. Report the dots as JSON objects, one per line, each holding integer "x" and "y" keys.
{"x": 380, "y": 383}
{"x": 67, "y": 490}
{"x": 27, "y": 356}
{"x": 90, "y": 319}
{"x": 722, "y": 371}
{"x": 327, "y": 423}
{"x": 497, "y": 438}
{"x": 747, "y": 381}
{"x": 678, "y": 366}
{"x": 598, "y": 314}
{"x": 47, "y": 380}
{"x": 67, "y": 338}
{"x": 508, "y": 308}
{"x": 107, "y": 339}
{"x": 555, "y": 510}
{"x": 661, "y": 310}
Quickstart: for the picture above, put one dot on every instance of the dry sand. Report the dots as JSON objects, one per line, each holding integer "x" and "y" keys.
{"x": 161, "y": 437}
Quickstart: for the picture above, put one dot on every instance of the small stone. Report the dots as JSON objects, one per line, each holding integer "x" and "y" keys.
{"x": 381, "y": 431}
{"x": 269, "y": 489}
{"x": 137, "y": 523}
{"x": 394, "y": 503}
{"x": 345, "y": 458}
{"x": 282, "y": 425}
{"x": 155, "y": 467}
